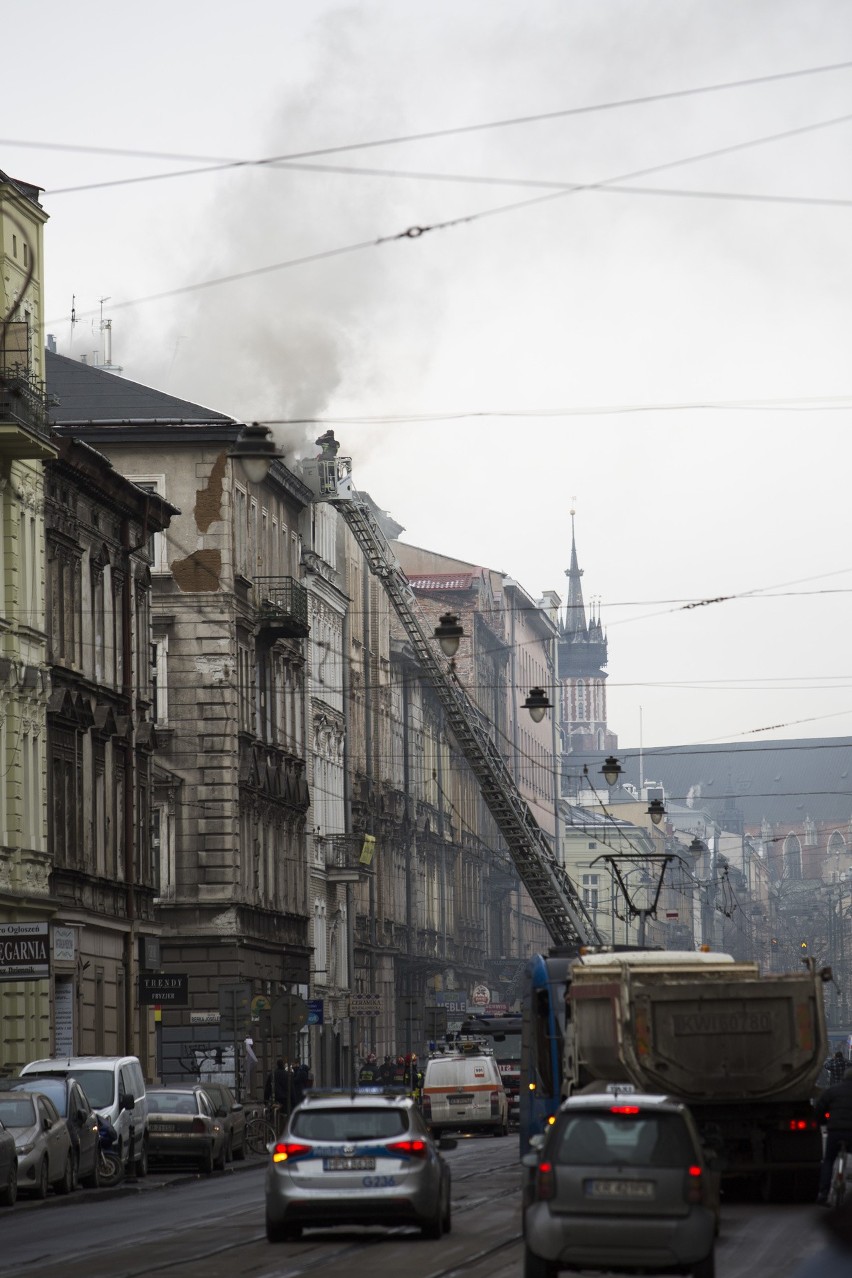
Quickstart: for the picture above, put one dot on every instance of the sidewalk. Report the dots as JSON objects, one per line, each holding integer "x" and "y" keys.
{"x": 159, "y": 1178}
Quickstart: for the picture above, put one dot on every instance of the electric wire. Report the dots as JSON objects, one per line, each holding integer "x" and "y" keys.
{"x": 416, "y": 232}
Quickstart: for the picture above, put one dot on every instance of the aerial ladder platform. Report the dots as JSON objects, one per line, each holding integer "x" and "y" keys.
{"x": 551, "y": 890}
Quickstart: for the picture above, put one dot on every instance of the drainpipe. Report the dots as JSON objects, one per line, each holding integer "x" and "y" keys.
{"x": 368, "y": 747}
{"x": 347, "y": 826}
{"x": 129, "y": 755}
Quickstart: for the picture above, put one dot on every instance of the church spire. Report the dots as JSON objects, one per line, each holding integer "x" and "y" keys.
{"x": 575, "y": 626}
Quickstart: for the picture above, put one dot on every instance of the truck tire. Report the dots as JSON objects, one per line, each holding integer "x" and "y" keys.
{"x": 537, "y": 1267}
{"x": 705, "y": 1268}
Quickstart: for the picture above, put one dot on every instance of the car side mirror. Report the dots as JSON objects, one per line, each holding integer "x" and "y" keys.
{"x": 81, "y": 1116}
{"x": 126, "y": 1101}
{"x": 236, "y": 1108}
{"x": 46, "y": 1124}
{"x": 537, "y": 1141}
{"x": 529, "y": 1160}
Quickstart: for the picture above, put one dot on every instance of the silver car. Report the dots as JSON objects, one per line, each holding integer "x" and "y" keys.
{"x": 42, "y": 1142}
{"x": 356, "y": 1158}
{"x": 620, "y": 1183}
{"x": 183, "y": 1128}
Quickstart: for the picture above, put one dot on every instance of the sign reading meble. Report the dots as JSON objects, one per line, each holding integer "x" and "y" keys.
{"x": 24, "y": 951}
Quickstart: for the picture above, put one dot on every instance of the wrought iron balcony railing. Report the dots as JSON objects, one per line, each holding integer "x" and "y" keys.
{"x": 22, "y": 400}
{"x": 282, "y": 608}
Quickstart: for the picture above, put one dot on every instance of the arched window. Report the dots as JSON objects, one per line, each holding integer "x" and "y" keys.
{"x": 836, "y": 843}
{"x": 792, "y": 857}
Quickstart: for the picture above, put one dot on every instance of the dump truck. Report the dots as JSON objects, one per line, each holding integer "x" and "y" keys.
{"x": 742, "y": 1049}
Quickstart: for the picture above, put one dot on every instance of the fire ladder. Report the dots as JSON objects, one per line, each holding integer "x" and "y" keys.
{"x": 561, "y": 908}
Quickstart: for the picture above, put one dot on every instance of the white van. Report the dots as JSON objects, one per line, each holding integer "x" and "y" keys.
{"x": 463, "y": 1091}
{"x": 115, "y": 1086}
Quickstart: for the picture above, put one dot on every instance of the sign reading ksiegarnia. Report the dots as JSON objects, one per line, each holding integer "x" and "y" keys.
{"x": 24, "y": 951}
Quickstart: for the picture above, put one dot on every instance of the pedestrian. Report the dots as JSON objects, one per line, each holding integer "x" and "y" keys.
{"x": 834, "y": 1109}
{"x": 369, "y": 1072}
{"x": 302, "y": 1080}
{"x": 835, "y": 1068}
{"x": 399, "y": 1072}
{"x": 386, "y": 1072}
{"x": 277, "y": 1089}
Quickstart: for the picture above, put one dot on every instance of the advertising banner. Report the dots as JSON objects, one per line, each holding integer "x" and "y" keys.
{"x": 24, "y": 951}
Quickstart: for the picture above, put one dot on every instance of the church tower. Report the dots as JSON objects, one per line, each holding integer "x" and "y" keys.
{"x": 582, "y": 671}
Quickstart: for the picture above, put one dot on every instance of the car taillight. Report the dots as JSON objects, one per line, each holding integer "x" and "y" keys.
{"x": 545, "y": 1182}
{"x": 288, "y": 1149}
{"x": 199, "y": 1126}
{"x": 624, "y": 1109}
{"x": 495, "y": 1104}
{"x": 694, "y": 1185}
{"x": 799, "y": 1125}
{"x": 412, "y": 1148}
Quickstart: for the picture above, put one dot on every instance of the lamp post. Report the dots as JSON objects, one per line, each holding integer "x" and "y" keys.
{"x": 255, "y": 448}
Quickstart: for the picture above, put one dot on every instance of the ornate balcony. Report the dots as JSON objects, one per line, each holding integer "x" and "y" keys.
{"x": 348, "y": 857}
{"x": 282, "y": 609}
{"x": 24, "y": 429}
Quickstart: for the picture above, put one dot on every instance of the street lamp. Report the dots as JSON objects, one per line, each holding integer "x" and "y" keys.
{"x": 448, "y": 633}
{"x": 537, "y": 703}
{"x": 611, "y": 770}
{"x": 256, "y": 449}
{"x": 656, "y": 811}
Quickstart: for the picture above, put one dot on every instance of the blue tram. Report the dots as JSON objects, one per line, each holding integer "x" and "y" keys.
{"x": 543, "y": 1040}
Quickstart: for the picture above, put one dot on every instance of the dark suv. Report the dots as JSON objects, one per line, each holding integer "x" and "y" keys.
{"x": 620, "y": 1183}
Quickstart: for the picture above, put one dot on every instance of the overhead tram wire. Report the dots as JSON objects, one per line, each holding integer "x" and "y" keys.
{"x": 415, "y": 232}
{"x": 218, "y": 163}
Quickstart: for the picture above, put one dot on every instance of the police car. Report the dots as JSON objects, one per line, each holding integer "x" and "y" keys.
{"x": 360, "y": 1157}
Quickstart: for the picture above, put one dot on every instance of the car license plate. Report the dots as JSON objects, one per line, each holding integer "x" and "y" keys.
{"x": 349, "y": 1164}
{"x": 619, "y": 1188}
{"x": 163, "y": 1127}
{"x": 462, "y": 1098}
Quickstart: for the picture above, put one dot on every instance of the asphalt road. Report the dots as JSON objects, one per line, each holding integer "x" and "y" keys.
{"x": 212, "y": 1227}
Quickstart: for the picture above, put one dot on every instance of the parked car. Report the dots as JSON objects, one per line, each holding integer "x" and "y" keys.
{"x": 362, "y": 1159}
{"x": 183, "y": 1127}
{"x": 42, "y": 1142}
{"x": 115, "y": 1086}
{"x": 620, "y": 1183}
{"x": 233, "y": 1117}
{"x": 73, "y": 1105}
{"x": 8, "y": 1168}
{"x": 463, "y": 1091}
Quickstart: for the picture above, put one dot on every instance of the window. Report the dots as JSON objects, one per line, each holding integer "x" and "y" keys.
{"x": 157, "y": 550}
{"x": 792, "y": 857}
{"x": 160, "y": 680}
{"x": 240, "y": 530}
{"x": 590, "y": 887}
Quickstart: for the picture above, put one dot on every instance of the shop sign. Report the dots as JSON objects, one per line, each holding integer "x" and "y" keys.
{"x": 64, "y": 944}
{"x": 24, "y": 951}
{"x": 167, "y": 991}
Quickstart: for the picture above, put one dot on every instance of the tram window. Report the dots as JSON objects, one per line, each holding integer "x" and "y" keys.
{"x": 543, "y": 1043}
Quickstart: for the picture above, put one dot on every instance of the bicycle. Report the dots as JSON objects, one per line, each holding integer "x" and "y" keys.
{"x": 837, "y": 1188}
{"x": 262, "y": 1128}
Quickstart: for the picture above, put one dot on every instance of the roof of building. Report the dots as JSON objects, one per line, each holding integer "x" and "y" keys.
{"x": 446, "y": 580}
{"x": 87, "y": 394}
{"x": 26, "y": 189}
{"x": 783, "y": 782}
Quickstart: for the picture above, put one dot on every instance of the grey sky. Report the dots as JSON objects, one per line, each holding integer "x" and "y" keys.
{"x": 590, "y": 300}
